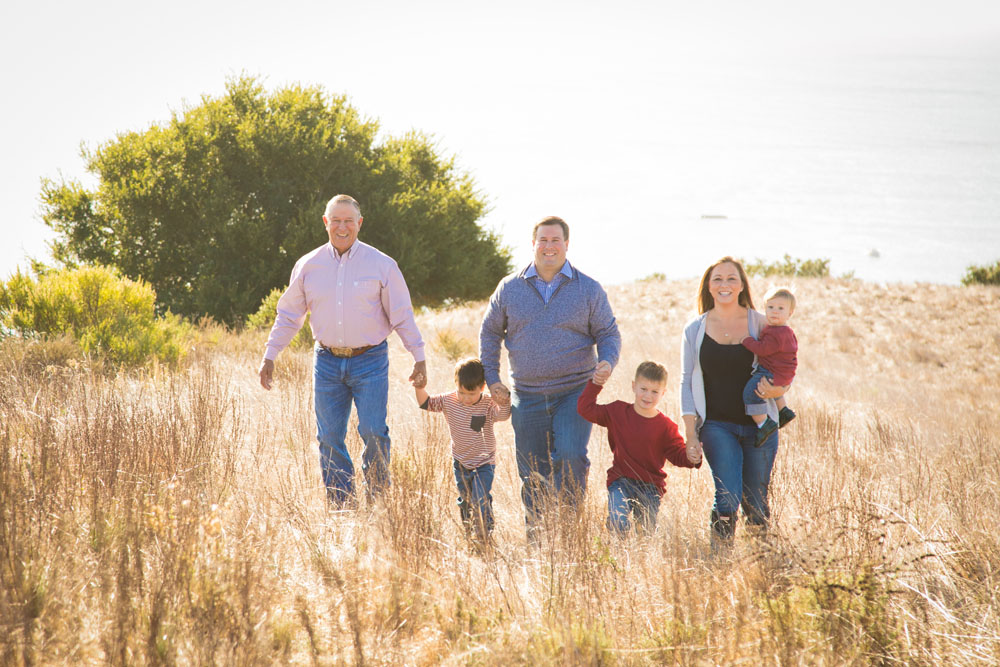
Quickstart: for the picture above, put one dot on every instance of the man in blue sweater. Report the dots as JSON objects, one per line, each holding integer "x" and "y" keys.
{"x": 550, "y": 316}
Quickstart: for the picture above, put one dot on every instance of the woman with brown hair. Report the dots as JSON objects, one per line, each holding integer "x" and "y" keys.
{"x": 715, "y": 368}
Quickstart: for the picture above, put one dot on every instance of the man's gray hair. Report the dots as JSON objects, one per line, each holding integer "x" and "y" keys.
{"x": 342, "y": 199}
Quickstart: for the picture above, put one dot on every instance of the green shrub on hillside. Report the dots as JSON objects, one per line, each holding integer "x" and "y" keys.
{"x": 107, "y": 315}
{"x": 789, "y": 266}
{"x": 264, "y": 319}
{"x": 214, "y": 205}
{"x": 982, "y": 275}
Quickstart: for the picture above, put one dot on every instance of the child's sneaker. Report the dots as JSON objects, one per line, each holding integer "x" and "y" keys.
{"x": 785, "y": 415}
{"x": 764, "y": 431}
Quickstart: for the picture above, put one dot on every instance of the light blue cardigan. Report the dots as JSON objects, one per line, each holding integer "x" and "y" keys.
{"x": 692, "y": 380}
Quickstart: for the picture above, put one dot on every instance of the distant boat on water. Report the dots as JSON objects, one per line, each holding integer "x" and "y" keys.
{"x": 874, "y": 253}
{"x": 710, "y": 216}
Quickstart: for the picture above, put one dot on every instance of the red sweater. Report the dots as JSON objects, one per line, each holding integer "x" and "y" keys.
{"x": 776, "y": 351}
{"x": 640, "y": 445}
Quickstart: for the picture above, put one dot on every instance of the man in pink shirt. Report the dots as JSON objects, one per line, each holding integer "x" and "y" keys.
{"x": 356, "y": 296}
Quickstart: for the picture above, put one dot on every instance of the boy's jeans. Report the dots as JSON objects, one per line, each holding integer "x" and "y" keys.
{"x": 550, "y": 438}
{"x": 755, "y": 404}
{"x": 336, "y": 383}
{"x": 632, "y": 498}
{"x": 475, "y": 503}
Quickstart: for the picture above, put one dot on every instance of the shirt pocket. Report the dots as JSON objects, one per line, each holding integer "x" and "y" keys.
{"x": 477, "y": 423}
{"x": 366, "y": 293}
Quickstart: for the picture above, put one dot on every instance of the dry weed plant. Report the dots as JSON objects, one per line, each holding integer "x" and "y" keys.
{"x": 177, "y": 516}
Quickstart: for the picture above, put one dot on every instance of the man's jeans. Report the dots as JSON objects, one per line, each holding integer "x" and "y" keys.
{"x": 550, "y": 438}
{"x": 628, "y": 498}
{"x": 741, "y": 471}
{"x": 336, "y": 382}
{"x": 755, "y": 404}
{"x": 475, "y": 500}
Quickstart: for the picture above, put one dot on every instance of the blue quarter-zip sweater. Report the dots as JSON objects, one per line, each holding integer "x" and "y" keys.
{"x": 550, "y": 346}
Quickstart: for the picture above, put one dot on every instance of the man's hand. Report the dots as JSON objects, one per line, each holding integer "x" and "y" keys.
{"x": 418, "y": 378}
{"x": 602, "y": 373}
{"x": 693, "y": 449}
{"x": 500, "y": 393}
{"x": 266, "y": 373}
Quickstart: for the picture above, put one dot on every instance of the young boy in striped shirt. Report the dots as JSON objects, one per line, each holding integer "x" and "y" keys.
{"x": 470, "y": 415}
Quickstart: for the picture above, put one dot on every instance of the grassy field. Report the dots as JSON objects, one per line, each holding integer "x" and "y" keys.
{"x": 177, "y": 516}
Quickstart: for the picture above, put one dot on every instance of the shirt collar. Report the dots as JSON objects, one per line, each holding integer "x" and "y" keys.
{"x": 566, "y": 270}
{"x": 351, "y": 252}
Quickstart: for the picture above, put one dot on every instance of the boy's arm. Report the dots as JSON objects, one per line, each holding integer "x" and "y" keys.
{"x": 431, "y": 403}
{"x": 588, "y": 408}
{"x": 675, "y": 448}
{"x": 422, "y": 396}
{"x": 767, "y": 345}
{"x": 501, "y": 410}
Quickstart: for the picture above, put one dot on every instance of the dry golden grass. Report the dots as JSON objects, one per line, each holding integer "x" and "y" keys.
{"x": 177, "y": 517}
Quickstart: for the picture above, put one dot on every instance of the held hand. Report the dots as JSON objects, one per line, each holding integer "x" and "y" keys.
{"x": 693, "y": 449}
{"x": 266, "y": 373}
{"x": 500, "y": 393}
{"x": 602, "y": 373}
{"x": 418, "y": 378}
{"x": 767, "y": 390}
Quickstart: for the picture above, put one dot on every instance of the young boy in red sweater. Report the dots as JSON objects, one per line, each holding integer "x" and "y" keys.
{"x": 777, "y": 359}
{"x": 642, "y": 440}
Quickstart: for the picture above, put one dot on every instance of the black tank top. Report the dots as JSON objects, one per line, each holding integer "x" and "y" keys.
{"x": 726, "y": 369}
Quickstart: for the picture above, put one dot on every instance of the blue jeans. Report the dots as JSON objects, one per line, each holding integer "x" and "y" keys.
{"x": 632, "y": 498}
{"x": 742, "y": 472}
{"x": 336, "y": 383}
{"x": 755, "y": 404}
{"x": 475, "y": 503}
{"x": 550, "y": 438}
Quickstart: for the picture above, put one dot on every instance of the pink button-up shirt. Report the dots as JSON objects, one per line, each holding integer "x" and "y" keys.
{"x": 354, "y": 300}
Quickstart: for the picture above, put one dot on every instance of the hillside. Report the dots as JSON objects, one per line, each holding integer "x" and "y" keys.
{"x": 177, "y": 516}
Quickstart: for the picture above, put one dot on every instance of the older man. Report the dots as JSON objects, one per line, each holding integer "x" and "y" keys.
{"x": 356, "y": 296}
{"x": 550, "y": 316}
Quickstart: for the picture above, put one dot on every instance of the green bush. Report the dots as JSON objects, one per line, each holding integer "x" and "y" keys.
{"x": 789, "y": 266}
{"x": 107, "y": 315}
{"x": 982, "y": 275}
{"x": 264, "y": 319}
{"x": 214, "y": 205}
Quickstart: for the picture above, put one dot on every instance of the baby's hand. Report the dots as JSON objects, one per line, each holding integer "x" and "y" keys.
{"x": 602, "y": 373}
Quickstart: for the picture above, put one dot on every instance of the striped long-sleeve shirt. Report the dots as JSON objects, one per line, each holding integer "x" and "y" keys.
{"x": 472, "y": 441}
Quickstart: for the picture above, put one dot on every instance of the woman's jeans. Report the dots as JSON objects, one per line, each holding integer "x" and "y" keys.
{"x": 475, "y": 503}
{"x": 550, "y": 438}
{"x": 741, "y": 471}
{"x": 632, "y": 499}
{"x": 337, "y": 382}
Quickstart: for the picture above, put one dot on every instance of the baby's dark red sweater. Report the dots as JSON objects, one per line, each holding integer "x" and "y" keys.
{"x": 777, "y": 351}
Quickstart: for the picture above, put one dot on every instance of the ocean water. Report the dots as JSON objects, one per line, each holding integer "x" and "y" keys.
{"x": 664, "y": 155}
{"x": 887, "y": 166}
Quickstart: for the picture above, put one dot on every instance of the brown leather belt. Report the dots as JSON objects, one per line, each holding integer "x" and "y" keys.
{"x": 346, "y": 352}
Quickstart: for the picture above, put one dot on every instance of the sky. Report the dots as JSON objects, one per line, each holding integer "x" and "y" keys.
{"x": 550, "y": 106}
